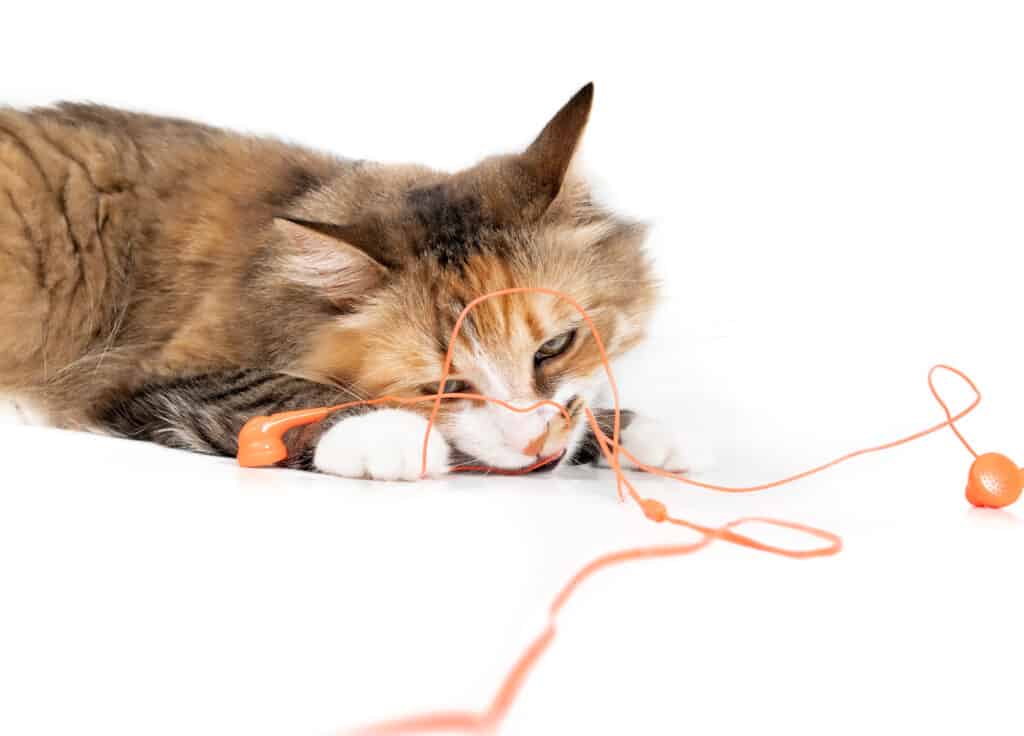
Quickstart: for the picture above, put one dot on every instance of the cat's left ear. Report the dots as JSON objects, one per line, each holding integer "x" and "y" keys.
{"x": 548, "y": 158}
{"x": 326, "y": 257}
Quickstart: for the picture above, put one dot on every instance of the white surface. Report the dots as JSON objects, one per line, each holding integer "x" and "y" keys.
{"x": 838, "y": 196}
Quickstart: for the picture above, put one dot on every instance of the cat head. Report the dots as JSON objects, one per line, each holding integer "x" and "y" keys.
{"x": 408, "y": 248}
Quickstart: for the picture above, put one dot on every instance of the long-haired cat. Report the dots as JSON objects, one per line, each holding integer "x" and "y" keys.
{"x": 165, "y": 280}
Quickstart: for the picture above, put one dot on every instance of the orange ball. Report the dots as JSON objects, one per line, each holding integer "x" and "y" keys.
{"x": 994, "y": 481}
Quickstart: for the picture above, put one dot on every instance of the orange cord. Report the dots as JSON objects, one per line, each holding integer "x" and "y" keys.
{"x": 261, "y": 448}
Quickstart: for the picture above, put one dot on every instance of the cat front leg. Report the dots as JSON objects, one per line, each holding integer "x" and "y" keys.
{"x": 654, "y": 443}
{"x": 204, "y": 413}
{"x": 386, "y": 444}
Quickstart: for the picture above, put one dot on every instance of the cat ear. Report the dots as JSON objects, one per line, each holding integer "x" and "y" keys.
{"x": 548, "y": 158}
{"x": 323, "y": 256}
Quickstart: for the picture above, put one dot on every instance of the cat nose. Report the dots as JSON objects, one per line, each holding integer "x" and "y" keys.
{"x": 535, "y": 445}
{"x": 549, "y": 442}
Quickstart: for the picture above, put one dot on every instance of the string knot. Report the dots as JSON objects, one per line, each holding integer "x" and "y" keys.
{"x": 654, "y": 510}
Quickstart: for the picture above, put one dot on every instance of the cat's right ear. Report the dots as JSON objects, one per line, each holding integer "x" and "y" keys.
{"x": 324, "y": 256}
{"x": 527, "y": 183}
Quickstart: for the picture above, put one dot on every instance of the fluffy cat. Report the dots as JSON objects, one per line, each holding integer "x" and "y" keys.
{"x": 164, "y": 280}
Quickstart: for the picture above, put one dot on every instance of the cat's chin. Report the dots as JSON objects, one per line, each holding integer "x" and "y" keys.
{"x": 546, "y": 465}
{"x": 466, "y": 463}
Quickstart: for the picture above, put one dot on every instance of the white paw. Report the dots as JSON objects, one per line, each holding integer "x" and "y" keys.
{"x": 383, "y": 445}
{"x": 662, "y": 446}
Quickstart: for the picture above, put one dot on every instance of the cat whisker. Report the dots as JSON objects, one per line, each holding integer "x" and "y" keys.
{"x": 118, "y": 322}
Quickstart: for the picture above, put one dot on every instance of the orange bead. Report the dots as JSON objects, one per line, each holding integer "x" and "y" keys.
{"x": 994, "y": 481}
{"x": 654, "y": 510}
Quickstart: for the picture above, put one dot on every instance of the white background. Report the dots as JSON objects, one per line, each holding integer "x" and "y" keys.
{"x": 837, "y": 191}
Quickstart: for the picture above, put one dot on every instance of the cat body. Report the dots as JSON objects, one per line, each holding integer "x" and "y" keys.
{"x": 165, "y": 280}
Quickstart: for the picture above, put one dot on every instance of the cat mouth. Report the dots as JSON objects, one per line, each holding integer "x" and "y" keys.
{"x": 543, "y": 465}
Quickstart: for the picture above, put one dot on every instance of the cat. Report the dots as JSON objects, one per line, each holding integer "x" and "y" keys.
{"x": 165, "y": 280}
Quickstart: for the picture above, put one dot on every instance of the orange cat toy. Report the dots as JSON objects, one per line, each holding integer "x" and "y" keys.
{"x": 993, "y": 481}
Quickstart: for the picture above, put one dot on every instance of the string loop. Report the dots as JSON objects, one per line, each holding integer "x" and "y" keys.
{"x": 488, "y": 721}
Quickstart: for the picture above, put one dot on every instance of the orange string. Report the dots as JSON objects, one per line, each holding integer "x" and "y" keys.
{"x": 489, "y": 720}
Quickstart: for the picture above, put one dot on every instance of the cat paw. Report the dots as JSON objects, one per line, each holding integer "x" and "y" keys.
{"x": 381, "y": 445}
{"x": 660, "y": 445}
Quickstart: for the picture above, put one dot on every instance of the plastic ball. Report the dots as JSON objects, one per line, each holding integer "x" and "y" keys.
{"x": 994, "y": 481}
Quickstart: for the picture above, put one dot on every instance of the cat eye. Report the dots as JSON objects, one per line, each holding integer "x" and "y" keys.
{"x": 555, "y": 346}
{"x": 451, "y": 386}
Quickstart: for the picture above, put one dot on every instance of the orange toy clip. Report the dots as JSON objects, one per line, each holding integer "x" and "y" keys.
{"x": 261, "y": 441}
{"x": 993, "y": 481}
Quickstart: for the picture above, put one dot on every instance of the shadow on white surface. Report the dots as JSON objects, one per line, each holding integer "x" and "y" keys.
{"x": 152, "y": 591}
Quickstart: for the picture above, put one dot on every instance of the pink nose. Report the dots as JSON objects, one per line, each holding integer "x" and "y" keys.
{"x": 537, "y": 443}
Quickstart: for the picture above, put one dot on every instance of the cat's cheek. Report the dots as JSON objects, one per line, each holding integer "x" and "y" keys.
{"x": 476, "y": 432}
{"x": 382, "y": 445}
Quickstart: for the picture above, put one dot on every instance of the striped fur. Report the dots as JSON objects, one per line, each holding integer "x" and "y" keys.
{"x": 204, "y": 413}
